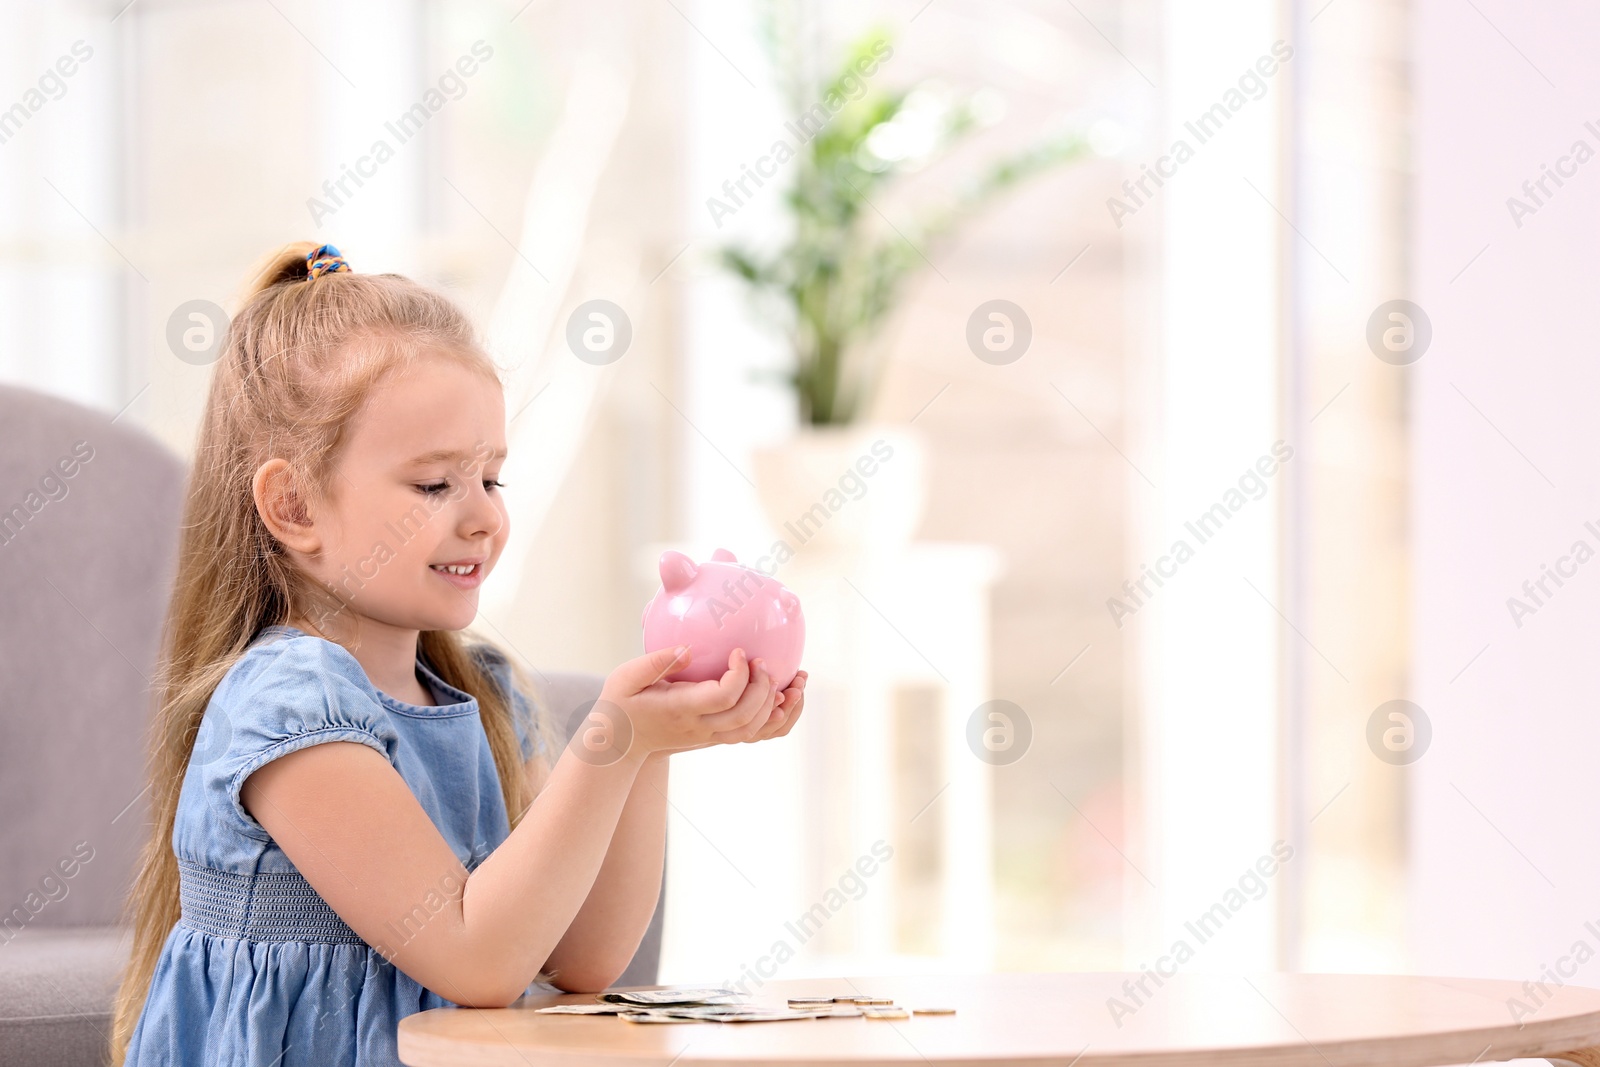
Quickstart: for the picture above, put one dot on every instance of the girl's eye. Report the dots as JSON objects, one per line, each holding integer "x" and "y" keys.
{"x": 434, "y": 487}
{"x": 494, "y": 483}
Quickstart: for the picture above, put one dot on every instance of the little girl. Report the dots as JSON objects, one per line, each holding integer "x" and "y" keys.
{"x": 345, "y": 829}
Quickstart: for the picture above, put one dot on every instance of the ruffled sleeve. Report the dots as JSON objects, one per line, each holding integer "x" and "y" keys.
{"x": 494, "y": 663}
{"x": 280, "y": 697}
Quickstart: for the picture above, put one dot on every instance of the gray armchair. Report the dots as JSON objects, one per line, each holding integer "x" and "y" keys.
{"x": 89, "y": 514}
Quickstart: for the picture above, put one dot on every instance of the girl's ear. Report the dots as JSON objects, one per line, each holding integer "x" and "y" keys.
{"x": 283, "y": 508}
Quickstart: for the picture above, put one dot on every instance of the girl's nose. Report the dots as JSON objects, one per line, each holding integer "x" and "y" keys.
{"x": 480, "y": 517}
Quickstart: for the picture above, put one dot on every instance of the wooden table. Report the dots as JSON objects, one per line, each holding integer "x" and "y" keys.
{"x": 1269, "y": 1020}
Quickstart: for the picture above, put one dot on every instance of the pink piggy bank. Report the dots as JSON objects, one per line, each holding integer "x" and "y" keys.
{"x": 718, "y": 606}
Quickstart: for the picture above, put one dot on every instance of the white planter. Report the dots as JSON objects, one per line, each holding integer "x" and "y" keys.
{"x": 848, "y": 489}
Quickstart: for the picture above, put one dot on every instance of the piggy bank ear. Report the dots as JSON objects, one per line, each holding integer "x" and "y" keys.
{"x": 722, "y": 555}
{"x": 677, "y": 571}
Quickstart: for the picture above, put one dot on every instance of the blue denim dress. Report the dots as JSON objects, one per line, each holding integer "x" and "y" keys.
{"x": 260, "y": 971}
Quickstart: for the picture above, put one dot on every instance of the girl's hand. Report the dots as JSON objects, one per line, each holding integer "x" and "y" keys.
{"x": 787, "y": 706}
{"x": 791, "y": 702}
{"x": 660, "y": 716}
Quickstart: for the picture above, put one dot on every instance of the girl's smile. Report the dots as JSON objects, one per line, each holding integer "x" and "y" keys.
{"x": 463, "y": 574}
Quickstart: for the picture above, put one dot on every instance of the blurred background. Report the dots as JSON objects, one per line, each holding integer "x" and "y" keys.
{"x": 1230, "y": 361}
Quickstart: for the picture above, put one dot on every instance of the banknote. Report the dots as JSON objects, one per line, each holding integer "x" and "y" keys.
{"x": 653, "y": 998}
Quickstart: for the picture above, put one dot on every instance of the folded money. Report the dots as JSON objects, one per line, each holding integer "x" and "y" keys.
{"x": 705, "y": 1011}
{"x": 653, "y": 998}
{"x": 702, "y": 1005}
{"x": 742, "y": 1013}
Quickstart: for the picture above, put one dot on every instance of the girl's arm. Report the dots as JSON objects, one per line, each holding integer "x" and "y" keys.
{"x": 606, "y": 932}
{"x": 352, "y": 827}
{"x": 600, "y": 941}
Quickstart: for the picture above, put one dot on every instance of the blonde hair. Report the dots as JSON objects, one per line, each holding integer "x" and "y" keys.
{"x": 298, "y": 361}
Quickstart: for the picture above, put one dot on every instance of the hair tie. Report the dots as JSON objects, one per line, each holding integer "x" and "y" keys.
{"x": 324, "y": 259}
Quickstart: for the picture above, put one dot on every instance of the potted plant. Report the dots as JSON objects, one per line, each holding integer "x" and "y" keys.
{"x": 838, "y": 274}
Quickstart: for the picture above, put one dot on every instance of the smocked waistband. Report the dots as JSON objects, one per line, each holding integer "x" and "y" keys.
{"x": 277, "y": 906}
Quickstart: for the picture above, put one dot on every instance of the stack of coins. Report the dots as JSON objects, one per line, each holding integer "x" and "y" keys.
{"x": 890, "y": 1012}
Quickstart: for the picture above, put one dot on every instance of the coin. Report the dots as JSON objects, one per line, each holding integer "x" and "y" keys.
{"x": 933, "y": 1011}
{"x": 885, "y": 1013}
